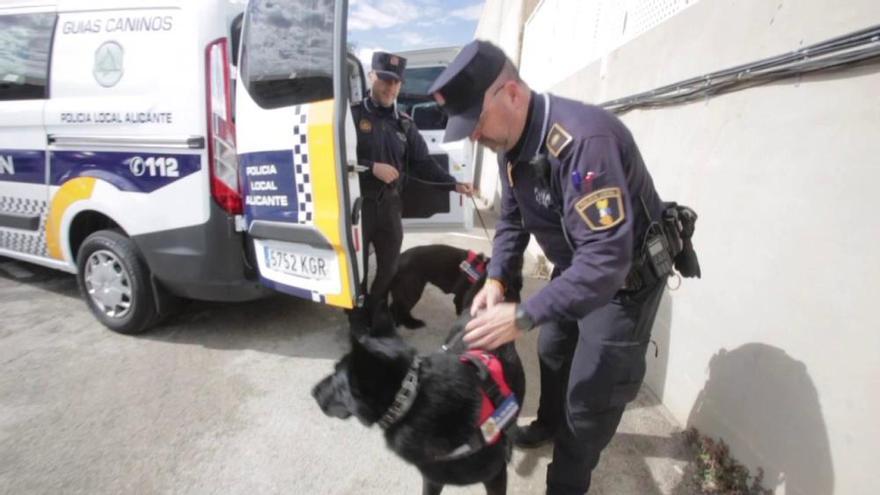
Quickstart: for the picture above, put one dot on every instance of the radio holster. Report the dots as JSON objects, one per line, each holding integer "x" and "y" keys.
{"x": 666, "y": 245}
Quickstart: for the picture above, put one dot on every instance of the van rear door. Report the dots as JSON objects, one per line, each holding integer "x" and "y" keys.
{"x": 294, "y": 140}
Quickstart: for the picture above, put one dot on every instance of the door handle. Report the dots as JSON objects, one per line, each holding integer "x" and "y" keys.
{"x": 355, "y": 167}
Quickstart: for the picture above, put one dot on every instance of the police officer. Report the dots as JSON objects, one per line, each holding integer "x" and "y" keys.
{"x": 573, "y": 177}
{"x": 390, "y": 147}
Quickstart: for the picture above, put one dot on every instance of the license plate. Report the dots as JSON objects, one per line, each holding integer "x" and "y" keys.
{"x": 299, "y": 266}
{"x": 305, "y": 265}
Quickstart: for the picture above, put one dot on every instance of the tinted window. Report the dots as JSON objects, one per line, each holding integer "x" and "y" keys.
{"x": 418, "y": 81}
{"x": 287, "y": 56}
{"x": 25, "y": 41}
{"x": 414, "y": 98}
{"x": 424, "y": 110}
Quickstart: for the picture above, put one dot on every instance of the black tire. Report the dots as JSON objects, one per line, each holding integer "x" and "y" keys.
{"x": 114, "y": 257}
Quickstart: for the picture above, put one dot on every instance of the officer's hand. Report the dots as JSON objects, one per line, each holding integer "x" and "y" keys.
{"x": 384, "y": 172}
{"x": 465, "y": 188}
{"x": 492, "y": 328}
{"x": 490, "y": 295}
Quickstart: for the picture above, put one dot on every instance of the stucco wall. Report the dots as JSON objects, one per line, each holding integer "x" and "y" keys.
{"x": 776, "y": 348}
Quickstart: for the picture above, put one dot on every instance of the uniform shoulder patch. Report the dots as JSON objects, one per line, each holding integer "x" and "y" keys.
{"x": 365, "y": 125}
{"x": 557, "y": 139}
{"x": 602, "y": 209}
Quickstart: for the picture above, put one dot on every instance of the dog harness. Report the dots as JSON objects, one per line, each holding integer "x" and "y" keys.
{"x": 474, "y": 267}
{"x": 498, "y": 408}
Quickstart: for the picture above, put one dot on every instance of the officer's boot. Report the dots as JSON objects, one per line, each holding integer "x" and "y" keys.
{"x": 533, "y": 435}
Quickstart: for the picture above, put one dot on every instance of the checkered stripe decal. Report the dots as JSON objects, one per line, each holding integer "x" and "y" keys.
{"x": 24, "y": 241}
{"x": 302, "y": 170}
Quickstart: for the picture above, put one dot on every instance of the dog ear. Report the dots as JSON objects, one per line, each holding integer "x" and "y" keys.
{"x": 382, "y": 324}
{"x": 389, "y": 349}
{"x": 358, "y": 322}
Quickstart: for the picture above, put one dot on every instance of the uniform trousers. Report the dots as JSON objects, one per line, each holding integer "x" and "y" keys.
{"x": 382, "y": 227}
{"x": 590, "y": 369}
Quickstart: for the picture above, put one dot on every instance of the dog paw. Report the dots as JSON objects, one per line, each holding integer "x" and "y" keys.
{"x": 413, "y": 323}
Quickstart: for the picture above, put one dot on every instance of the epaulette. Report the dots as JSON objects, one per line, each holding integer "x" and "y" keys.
{"x": 558, "y": 139}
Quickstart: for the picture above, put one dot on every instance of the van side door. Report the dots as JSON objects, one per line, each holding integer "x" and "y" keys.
{"x": 24, "y": 89}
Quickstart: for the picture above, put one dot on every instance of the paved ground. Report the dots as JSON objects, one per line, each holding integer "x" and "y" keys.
{"x": 218, "y": 401}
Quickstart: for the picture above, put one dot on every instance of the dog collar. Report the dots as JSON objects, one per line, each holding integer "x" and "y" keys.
{"x": 405, "y": 397}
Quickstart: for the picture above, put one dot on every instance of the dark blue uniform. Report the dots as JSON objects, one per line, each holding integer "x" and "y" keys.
{"x": 388, "y": 136}
{"x": 576, "y": 181}
{"x": 589, "y": 208}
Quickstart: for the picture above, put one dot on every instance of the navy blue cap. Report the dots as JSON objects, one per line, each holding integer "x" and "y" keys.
{"x": 463, "y": 84}
{"x": 388, "y": 66}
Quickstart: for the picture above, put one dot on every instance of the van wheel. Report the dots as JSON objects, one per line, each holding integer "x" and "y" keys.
{"x": 114, "y": 281}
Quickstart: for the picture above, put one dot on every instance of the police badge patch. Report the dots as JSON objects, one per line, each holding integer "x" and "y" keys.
{"x": 602, "y": 209}
{"x": 365, "y": 125}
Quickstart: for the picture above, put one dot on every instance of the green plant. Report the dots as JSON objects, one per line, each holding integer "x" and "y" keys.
{"x": 717, "y": 473}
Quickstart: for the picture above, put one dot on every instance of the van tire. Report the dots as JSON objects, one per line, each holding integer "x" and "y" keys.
{"x": 115, "y": 282}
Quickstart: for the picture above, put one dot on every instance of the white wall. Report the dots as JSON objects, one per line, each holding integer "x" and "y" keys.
{"x": 563, "y": 36}
{"x": 500, "y": 23}
{"x": 777, "y": 348}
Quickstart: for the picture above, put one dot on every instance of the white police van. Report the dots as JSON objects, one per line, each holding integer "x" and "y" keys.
{"x": 130, "y": 156}
{"x": 422, "y": 204}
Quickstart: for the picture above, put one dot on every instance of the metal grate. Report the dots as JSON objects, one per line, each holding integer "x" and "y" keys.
{"x": 562, "y": 36}
{"x": 642, "y": 15}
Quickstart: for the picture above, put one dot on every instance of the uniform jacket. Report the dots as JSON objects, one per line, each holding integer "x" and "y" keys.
{"x": 589, "y": 212}
{"x": 389, "y": 136}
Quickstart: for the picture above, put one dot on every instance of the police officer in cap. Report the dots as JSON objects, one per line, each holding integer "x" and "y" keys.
{"x": 390, "y": 147}
{"x": 573, "y": 177}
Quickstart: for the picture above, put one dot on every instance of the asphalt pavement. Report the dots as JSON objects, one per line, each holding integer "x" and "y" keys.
{"x": 217, "y": 400}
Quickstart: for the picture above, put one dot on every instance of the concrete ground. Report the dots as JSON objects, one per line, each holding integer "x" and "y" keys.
{"x": 218, "y": 401}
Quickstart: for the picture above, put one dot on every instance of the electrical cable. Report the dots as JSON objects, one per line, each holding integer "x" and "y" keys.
{"x": 848, "y": 51}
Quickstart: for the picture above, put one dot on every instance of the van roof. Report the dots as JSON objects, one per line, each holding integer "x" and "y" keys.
{"x": 429, "y": 57}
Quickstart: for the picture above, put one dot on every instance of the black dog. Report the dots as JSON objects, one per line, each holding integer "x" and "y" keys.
{"x": 453, "y": 270}
{"x": 442, "y": 417}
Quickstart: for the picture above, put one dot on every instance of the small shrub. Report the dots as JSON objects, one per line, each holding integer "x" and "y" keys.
{"x": 719, "y": 474}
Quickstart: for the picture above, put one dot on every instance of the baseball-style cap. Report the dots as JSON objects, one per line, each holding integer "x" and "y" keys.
{"x": 461, "y": 86}
{"x": 388, "y": 66}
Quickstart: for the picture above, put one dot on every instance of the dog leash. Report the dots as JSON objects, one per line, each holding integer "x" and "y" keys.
{"x": 473, "y": 201}
{"x": 453, "y": 342}
{"x": 482, "y": 223}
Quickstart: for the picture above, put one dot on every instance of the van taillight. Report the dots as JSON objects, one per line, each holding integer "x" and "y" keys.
{"x": 221, "y": 129}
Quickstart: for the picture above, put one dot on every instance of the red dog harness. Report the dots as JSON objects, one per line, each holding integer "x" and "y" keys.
{"x": 474, "y": 267}
{"x": 494, "y": 390}
{"x": 498, "y": 408}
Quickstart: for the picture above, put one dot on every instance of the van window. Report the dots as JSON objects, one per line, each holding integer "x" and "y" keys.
{"x": 287, "y": 56}
{"x": 25, "y": 41}
{"x": 417, "y": 81}
{"x": 414, "y": 98}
